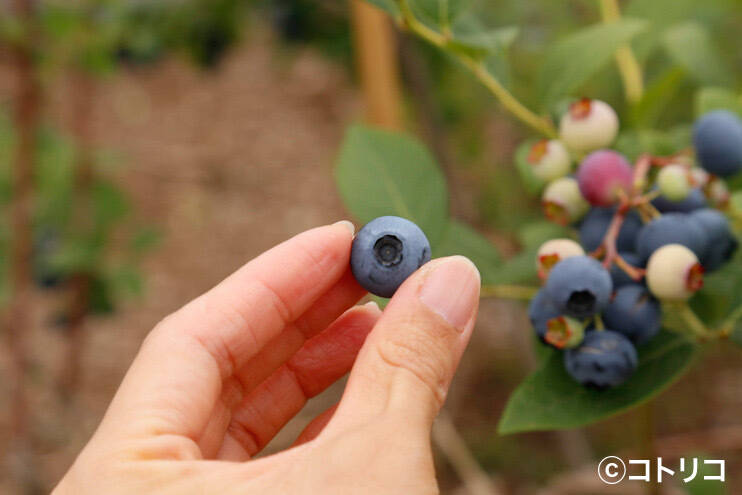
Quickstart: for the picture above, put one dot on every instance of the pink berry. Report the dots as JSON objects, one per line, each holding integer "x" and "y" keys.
{"x": 603, "y": 175}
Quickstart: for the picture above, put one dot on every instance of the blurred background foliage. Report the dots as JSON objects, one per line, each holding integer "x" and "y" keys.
{"x": 98, "y": 231}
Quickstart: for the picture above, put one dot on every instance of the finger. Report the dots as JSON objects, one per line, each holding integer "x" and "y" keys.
{"x": 342, "y": 296}
{"x": 176, "y": 379}
{"x": 407, "y": 362}
{"x": 322, "y": 361}
{"x": 316, "y": 426}
{"x": 338, "y": 299}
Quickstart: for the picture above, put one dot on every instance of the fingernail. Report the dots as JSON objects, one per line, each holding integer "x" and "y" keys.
{"x": 451, "y": 289}
{"x": 372, "y": 304}
{"x": 348, "y": 225}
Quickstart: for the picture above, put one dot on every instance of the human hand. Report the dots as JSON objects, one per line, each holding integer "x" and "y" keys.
{"x": 216, "y": 380}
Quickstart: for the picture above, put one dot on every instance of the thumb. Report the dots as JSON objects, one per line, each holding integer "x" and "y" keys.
{"x": 408, "y": 360}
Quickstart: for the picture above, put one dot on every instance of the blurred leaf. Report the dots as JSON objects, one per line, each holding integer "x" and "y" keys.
{"x": 100, "y": 301}
{"x": 110, "y": 203}
{"x": 144, "y": 240}
{"x": 461, "y": 239}
{"x": 389, "y": 6}
{"x": 440, "y": 12}
{"x": 549, "y": 399}
{"x": 533, "y": 234}
{"x": 485, "y": 43}
{"x": 518, "y": 269}
{"x": 381, "y": 173}
{"x": 657, "y": 96}
{"x": 127, "y": 280}
{"x": 533, "y": 184}
{"x": 699, "y": 486}
{"x": 714, "y": 98}
{"x": 690, "y": 46}
{"x": 570, "y": 62}
{"x": 634, "y": 142}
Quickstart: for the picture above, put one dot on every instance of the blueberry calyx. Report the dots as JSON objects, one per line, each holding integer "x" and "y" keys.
{"x": 388, "y": 250}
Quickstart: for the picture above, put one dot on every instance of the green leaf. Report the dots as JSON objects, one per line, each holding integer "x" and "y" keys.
{"x": 689, "y": 45}
{"x": 658, "y": 95}
{"x": 715, "y": 98}
{"x": 463, "y": 240}
{"x": 100, "y": 298}
{"x": 381, "y": 173}
{"x": 439, "y": 12}
{"x": 699, "y": 486}
{"x": 573, "y": 60}
{"x": 549, "y": 399}
{"x": 533, "y": 234}
{"x": 389, "y": 6}
{"x": 484, "y": 44}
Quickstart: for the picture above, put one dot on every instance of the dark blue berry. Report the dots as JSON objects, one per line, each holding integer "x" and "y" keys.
{"x": 604, "y": 359}
{"x": 540, "y": 311}
{"x": 634, "y": 313}
{"x": 385, "y": 252}
{"x": 717, "y": 137}
{"x": 722, "y": 242}
{"x": 620, "y": 277}
{"x": 579, "y": 286}
{"x": 671, "y": 228}
{"x": 695, "y": 200}
{"x": 596, "y": 222}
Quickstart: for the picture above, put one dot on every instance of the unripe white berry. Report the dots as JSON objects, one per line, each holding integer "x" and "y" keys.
{"x": 562, "y": 201}
{"x": 553, "y": 251}
{"x": 549, "y": 159}
{"x": 588, "y": 125}
{"x": 674, "y": 182}
{"x": 674, "y": 273}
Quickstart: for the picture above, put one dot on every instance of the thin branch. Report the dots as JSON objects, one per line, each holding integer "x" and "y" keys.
{"x": 628, "y": 65}
{"x": 506, "y": 98}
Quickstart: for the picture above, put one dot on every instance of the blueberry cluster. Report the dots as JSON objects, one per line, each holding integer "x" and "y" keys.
{"x": 647, "y": 233}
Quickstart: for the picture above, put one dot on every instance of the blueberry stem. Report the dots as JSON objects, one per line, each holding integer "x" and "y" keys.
{"x": 508, "y": 292}
{"x": 730, "y": 322}
{"x": 693, "y": 322}
{"x": 628, "y": 65}
{"x": 506, "y": 98}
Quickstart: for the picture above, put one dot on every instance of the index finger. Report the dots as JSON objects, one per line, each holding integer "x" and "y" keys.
{"x": 176, "y": 379}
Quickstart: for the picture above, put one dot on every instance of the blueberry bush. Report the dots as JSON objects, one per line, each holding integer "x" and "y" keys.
{"x": 639, "y": 268}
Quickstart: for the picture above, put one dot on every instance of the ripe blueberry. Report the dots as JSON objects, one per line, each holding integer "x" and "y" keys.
{"x": 604, "y": 359}
{"x": 674, "y": 273}
{"x": 562, "y": 201}
{"x": 603, "y": 175}
{"x": 693, "y": 201}
{"x": 588, "y": 125}
{"x": 595, "y": 224}
{"x": 549, "y": 159}
{"x": 722, "y": 242}
{"x": 671, "y": 228}
{"x": 385, "y": 252}
{"x": 579, "y": 286}
{"x": 717, "y": 137}
{"x": 620, "y": 277}
{"x": 552, "y": 252}
{"x": 674, "y": 182}
{"x": 634, "y": 313}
